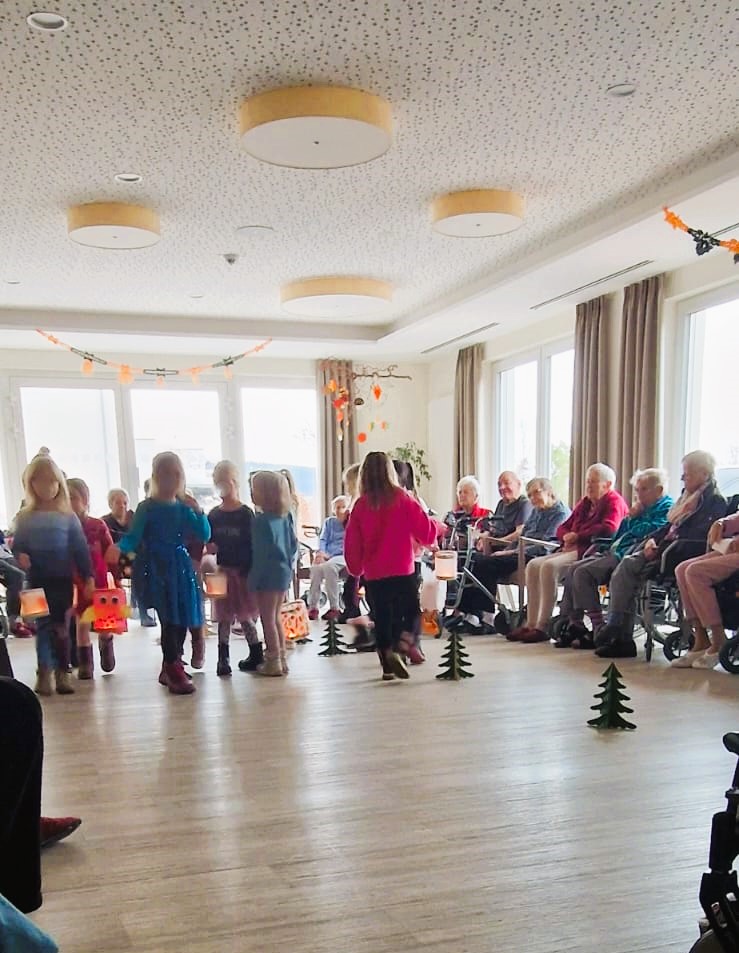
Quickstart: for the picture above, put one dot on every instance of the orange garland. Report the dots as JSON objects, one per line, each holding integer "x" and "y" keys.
{"x": 704, "y": 240}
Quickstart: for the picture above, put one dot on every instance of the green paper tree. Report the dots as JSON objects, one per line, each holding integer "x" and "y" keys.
{"x": 332, "y": 643}
{"x": 611, "y": 699}
{"x": 454, "y": 660}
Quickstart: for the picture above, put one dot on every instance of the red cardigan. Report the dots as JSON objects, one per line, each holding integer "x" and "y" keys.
{"x": 591, "y": 520}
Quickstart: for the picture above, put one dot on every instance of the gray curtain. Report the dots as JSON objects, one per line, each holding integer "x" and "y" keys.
{"x": 590, "y": 395}
{"x": 466, "y": 399}
{"x": 637, "y": 381}
{"x": 336, "y": 454}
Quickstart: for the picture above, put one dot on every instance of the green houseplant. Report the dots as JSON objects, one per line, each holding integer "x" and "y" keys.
{"x": 416, "y": 456}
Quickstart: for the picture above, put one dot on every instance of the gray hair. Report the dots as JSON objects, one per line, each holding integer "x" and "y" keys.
{"x": 346, "y": 500}
{"x": 700, "y": 460}
{"x": 657, "y": 476}
{"x": 114, "y": 492}
{"x": 543, "y": 484}
{"x": 470, "y": 481}
{"x": 606, "y": 473}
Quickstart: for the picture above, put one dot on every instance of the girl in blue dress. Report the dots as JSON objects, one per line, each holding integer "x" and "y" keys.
{"x": 162, "y": 572}
{"x": 274, "y": 545}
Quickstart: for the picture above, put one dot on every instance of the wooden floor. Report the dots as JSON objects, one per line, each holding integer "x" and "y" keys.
{"x": 332, "y": 812}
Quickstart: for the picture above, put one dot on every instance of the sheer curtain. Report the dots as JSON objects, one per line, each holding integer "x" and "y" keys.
{"x": 336, "y": 454}
{"x": 466, "y": 401}
{"x": 637, "y": 390}
{"x": 590, "y": 395}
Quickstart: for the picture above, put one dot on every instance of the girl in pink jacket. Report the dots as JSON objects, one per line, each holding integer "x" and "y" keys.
{"x": 386, "y": 524}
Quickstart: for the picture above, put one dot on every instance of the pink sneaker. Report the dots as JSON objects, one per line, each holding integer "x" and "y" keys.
{"x": 313, "y": 614}
{"x": 415, "y": 655}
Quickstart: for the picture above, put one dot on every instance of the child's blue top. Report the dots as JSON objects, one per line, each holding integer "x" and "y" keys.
{"x": 162, "y": 572}
{"x": 331, "y": 540}
{"x": 55, "y": 544}
{"x": 274, "y": 545}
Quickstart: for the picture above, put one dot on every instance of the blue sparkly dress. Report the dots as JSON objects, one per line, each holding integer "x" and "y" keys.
{"x": 163, "y": 576}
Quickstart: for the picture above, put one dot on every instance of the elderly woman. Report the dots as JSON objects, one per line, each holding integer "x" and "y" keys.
{"x": 688, "y": 522}
{"x": 696, "y": 579}
{"x": 468, "y": 510}
{"x": 597, "y": 514}
{"x": 546, "y": 513}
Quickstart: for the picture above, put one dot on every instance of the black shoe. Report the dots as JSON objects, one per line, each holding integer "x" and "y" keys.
{"x": 256, "y": 657}
{"x": 565, "y": 632}
{"x": 610, "y": 632}
{"x": 619, "y": 648}
{"x": 364, "y": 640}
{"x": 482, "y": 629}
{"x": 452, "y": 622}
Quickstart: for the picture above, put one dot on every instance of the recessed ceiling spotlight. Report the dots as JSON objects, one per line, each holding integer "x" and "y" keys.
{"x": 128, "y": 178}
{"x": 46, "y": 22}
{"x": 254, "y": 231}
{"x": 621, "y": 90}
{"x": 12, "y": 281}
{"x": 196, "y": 294}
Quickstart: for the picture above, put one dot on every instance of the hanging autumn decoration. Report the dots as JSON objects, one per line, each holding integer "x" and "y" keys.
{"x": 362, "y": 437}
{"x": 376, "y": 391}
{"x": 127, "y": 373}
{"x": 344, "y": 398}
{"x": 704, "y": 241}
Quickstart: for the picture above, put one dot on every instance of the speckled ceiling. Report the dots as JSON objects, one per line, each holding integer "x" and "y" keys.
{"x": 505, "y": 94}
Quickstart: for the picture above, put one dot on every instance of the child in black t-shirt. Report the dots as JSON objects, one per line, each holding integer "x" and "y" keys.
{"x": 230, "y": 540}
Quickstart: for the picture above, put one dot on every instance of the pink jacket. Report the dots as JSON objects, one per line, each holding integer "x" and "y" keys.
{"x": 379, "y": 543}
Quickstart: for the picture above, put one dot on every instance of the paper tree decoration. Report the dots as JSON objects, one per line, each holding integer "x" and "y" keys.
{"x": 611, "y": 698}
{"x": 454, "y": 660}
{"x": 332, "y": 643}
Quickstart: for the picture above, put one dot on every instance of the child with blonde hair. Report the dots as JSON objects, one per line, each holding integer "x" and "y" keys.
{"x": 386, "y": 524}
{"x": 103, "y": 555}
{"x": 162, "y": 572}
{"x": 274, "y": 546}
{"x": 230, "y": 539}
{"x": 50, "y": 547}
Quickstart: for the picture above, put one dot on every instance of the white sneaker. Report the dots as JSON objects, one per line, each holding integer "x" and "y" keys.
{"x": 708, "y": 661}
{"x": 686, "y": 661}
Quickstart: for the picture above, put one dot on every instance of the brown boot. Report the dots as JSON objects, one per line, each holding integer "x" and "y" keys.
{"x": 198, "y": 648}
{"x": 177, "y": 680}
{"x": 86, "y": 664}
{"x": 63, "y": 682}
{"x": 43, "y": 681}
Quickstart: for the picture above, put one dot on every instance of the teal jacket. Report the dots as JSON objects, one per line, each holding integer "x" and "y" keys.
{"x": 634, "y": 529}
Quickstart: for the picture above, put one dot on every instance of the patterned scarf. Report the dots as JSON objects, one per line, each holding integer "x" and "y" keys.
{"x": 685, "y": 506}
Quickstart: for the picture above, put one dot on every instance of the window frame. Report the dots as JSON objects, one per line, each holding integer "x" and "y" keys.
{"x": 542, "y": 356}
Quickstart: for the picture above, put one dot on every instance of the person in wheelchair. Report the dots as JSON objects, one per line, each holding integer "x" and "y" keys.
{"x": 546, "y": 514}
{"x": 683, "y": 536}
{"x": 468, "y": 511}
{"x": 582, "y": 581}
{"x": 13, "y": 579}
{"x": 696, "y": 579}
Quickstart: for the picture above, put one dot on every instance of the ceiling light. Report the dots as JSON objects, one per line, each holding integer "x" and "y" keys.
{"x": 113, "y": 225}
{"x": 47, "y": 22}
{"x": 620, "y": 90}
{"x": 12, "y": 281}
{"x": 254, "y": 231}
{"x": 128, "y": 178}
{"x": 316, "y": 127}
{"x": 478, "y": 213}
{"x": 336, "y": 296}
{"x": 196, "y": 294}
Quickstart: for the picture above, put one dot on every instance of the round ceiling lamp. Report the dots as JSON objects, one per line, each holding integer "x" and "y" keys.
{"x": 478, "y": 213}
{"x": 113, "y": 225}
{"x": 316, "y": 127}
{"x": 338, "y": 296}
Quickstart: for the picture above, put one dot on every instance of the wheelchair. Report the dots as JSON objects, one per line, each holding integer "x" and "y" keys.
{"x": 728, "y": 600}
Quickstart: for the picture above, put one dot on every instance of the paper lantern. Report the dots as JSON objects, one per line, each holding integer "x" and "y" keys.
{"x": 108, "y": 612}
{"x": 34, "y": 604}
{"x": 445, "y": 565}
{"x": 294, "y": 616}
{"x": 216, "y": 584}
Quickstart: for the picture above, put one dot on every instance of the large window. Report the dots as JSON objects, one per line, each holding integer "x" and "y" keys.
{"x": 534, "y": 415}
{"x": 186, "y": 421}
{"x": 78, "y": 425}
{"x": 281, "y": 431}
{"x": 712, "y": 390}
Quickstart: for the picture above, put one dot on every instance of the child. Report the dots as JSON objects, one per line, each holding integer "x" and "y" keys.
{"x": 329, "y": 560}
{"x": 230, "y": 534}
{"x": 51, "y": 549}
{"x": 274, "y": 545}
{"x": 407, "y": 481}
{"x": 350, "y": 598}
{"x": 162, "y": 573}
{"x": 103, "y": 553}
{"x": 385, "y": 524}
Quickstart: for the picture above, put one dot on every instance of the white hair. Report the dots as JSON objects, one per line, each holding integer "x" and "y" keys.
{"x": 470, "y": 481}
{"x": 606, "y": 473}
{"x": 700, "y": 460}
{"x": 114, "y": 492}
{"x": 346, "y": 500}
{"x": 657, "y": 476}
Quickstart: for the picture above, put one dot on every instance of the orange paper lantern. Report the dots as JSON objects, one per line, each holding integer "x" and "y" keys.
{"x": 215, "y": 584}
{"x": 108, "y": 612}
{"x": 87, "y": 367}
{"x": 294, "y": 616}
{"x": 34, "y": 604}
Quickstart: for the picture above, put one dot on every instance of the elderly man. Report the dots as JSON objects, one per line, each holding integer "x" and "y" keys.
{"x": 647, "y": 515}
{"x": 688, "y": 522}
{"x": 513, "y": 509}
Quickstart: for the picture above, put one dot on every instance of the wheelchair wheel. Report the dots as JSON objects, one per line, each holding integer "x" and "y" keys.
{"x": 559, "y": 628}
{"x": 707, "y": 944}
{"x": 675, "y": 645}
{"x": 4, "y": 625}
{"x": 729, "y": 655}
{"x": 502, "y": 621}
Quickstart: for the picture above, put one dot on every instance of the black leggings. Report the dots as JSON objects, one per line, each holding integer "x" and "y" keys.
{"x": 173, "y": 641}
{"x": 22, "y": 747}
{"x": 489, "y": 570}
{"x": 395, "y": 608}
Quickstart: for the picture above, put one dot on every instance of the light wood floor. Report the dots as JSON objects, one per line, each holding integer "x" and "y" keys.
{"x": 332, "y": 812}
